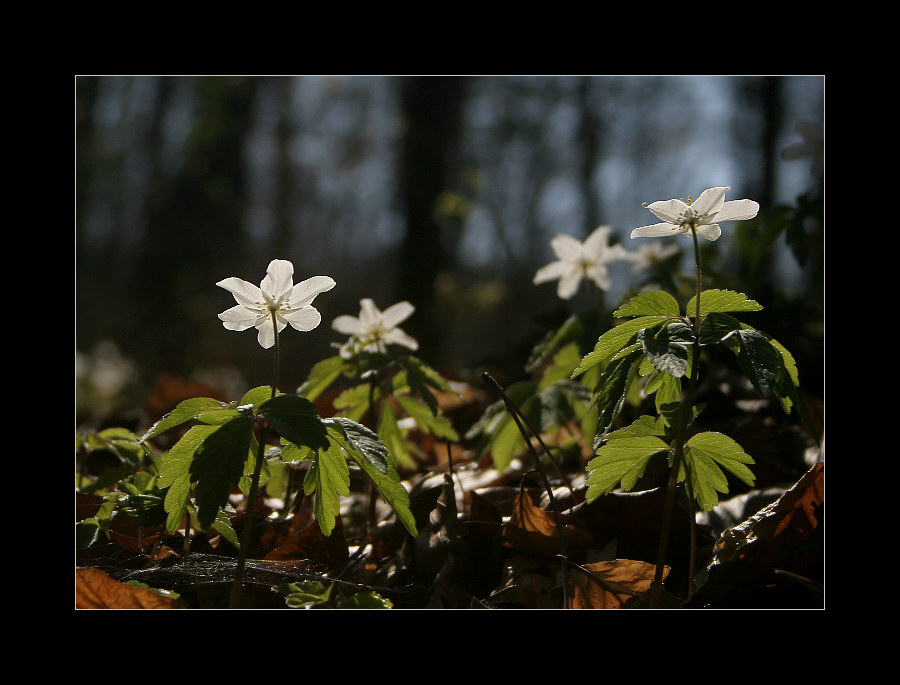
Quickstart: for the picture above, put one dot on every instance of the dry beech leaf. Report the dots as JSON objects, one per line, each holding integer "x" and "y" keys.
{"x": 776, "y": 530}
{"x": 533, "y": 530}
{"x": 613, "y": 585}
{"x": 779, "y": 537}
{"x": 94, "y": 589}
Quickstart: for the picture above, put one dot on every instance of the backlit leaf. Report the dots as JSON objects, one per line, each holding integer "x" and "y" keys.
{"x": 321, "y": 376}
{"x": 667, "y": 348}
{"x": 721, "y": 301}
{"x": 614, "y": 340}
{"x": 652, "y": 303}
{"x": 218, "y": 465}
{"x": 705, "y": 453}
{"x": 329, "y": 478}
{"x": 621, "y": 460}
{"x": 184, "y": 412}
{"x": 295, "y": 418}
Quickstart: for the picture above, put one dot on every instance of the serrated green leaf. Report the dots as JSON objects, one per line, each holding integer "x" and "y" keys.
{"x": 704, "y": 454}
{"x": 717, "y": 326}
{"x": 643, "y": 426}
{"x": 398, "y": 448}
{"x": 296, "y": 419}
{"x": 177, "y": 461}
{"x": 175, "y": 474}
{"x": 360, "y": 439}
{"x": 256, "y": 396}
{"x": 366, "y": 600}
{"x": 217, "y": 417}
{"x": 184, "y": 412}
{"x": 329, "y": 478}
{"x": 667, "y": 394}
{"x": 421, "y": 378}
{"x": 614, "y": 340}
{"x": 218, "y": 465}
{"x": 291, "y": 452}
{"x": 223, "y": 527}
{"x": 621, "y": 460}
{"x": 790, "y": 365}
{"x": 651, "y": 303}
{"x": 560, "y": 368}
{"x": 305, "y": 595}
{"x": 506, "y": 443}
{"x": 321, "y": 376}
{"x": 612, "y": 387}
{"x": 760, "y": 360}
{"x": 561, "y": 402}
{"x": 439, "y": 426}
{"x": 388, "y": 484}
{"x": 552, "y": 342}
{"x": 667, "y": 348}
{"x": 721, "y": 301}
{"x": 354, "y": 402}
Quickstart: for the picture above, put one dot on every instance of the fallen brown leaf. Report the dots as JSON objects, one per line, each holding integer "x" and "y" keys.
{"x": 612, "y": 584}
{"x": 533, "y": 530}
{"x": 783, "y": 537}
{"x": 94, "y": 589}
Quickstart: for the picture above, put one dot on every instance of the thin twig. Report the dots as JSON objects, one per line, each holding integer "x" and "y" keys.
{"x": 516, "y": 414}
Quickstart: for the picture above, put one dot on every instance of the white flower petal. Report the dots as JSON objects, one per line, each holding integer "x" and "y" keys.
{"x": 737, "y": 210}
{"x": 551, "y": 272}
{"x": 238, "y": 318}
{"x": 369, "y": 314}
{"x": 617, "y": 252}
{"x": 596, "y": 244}
{"x": 279, "y": 278}
{"x": 656, "y": 230}
{"x": 568, "y": 285}
{"x": 348, "y": 325}
{"x": 304, "y": 319}
{"x": 599, "y": 275}
{"x": 306, "y": 291}
{"x": 396, "y": 313}
{"x": 672, "y": 211}
{"x": 266, "y": 336}
{"x": 244, "y": 293}
{"x": 566, "y": 247}
{"x": 710, "y": 201}
{"x": 399, "y": 337}
{"x": 709, "y": 231}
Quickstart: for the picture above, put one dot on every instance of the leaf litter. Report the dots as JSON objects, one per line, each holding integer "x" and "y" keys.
{"x": 487, "y": 540}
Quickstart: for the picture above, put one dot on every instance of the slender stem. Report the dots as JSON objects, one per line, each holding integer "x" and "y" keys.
{"x": 684, "y": 419}
{"x": 247, "y": 530}
{"x": 516, "y": 414}
{"x": 373, "y": 493}
{"x": 692, "y": 562}
{"x": 277, "y": 356}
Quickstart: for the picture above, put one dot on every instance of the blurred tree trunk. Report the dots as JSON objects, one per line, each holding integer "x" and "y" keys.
{"x": 194, "y": 219}
{"x": 431, "y": 108}
{"x": 590, "y": 135}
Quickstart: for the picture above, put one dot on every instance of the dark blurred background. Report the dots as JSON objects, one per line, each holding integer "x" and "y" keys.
{"x": 444, "y": 191}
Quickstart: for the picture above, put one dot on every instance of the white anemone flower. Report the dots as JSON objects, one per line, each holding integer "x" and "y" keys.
{"x": 650, "y": 254}
{"x": 703, "y": 215}
{"x": 277, "y": 294}
{"x": 374, "y": 330}
{"x": 579, "y": 260}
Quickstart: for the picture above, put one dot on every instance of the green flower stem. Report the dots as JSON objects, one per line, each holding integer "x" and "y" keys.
{"x": 247, "y": 530}
{"x": 678, "y": 458}
{"x": 278, "y": 353}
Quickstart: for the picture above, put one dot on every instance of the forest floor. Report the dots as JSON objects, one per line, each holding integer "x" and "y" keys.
{"x": 490, "y": 540}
